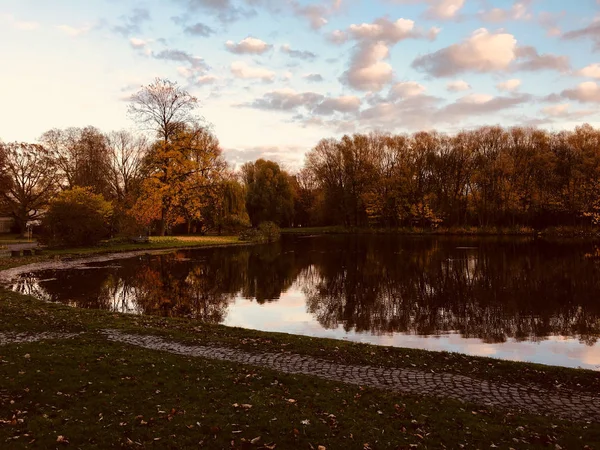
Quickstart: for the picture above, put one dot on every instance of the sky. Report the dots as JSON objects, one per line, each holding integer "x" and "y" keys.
{"x": 273, "y": 77}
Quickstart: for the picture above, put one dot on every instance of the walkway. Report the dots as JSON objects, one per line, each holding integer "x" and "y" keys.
{"x": 561, "y": 403}
{"x": 23, "y": 338}
{"x": 530, "y": 399}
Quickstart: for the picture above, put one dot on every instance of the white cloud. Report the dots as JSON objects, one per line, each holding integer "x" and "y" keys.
{"x": 437, "y": 9}
{"x": 368, "y": 69}
{"x": 509, "y": 85}
{"x": 518, "y": 11}
{"x": 591, "y": 31}
{"x": 248, "y": 45}
{"x": 287, "y": 99}
{"x": 242, "y": 70}
{"x": 591, "y": 71}
{"x": 338, "y": 36}
{"x": 445, "y": 9}
{"x": 529, "y": 59}
{"x": 19, "y": 24}
{"x": 457, "y": 86}
{"x": 73, "y": 31}
{"x": 481, "y": 52}
{"x": 406, "y": 89}
{"x": 205, "y": 79}
{"x": 556, "y": 110}
{"x": 342, "y": 104}
{"x": 476, "y": 99}
{"x": 138, "y": 43}
{"x": 383, "y": 30}
{"x": 587, "y": 92}
{"x": 316, "y": 13}
{"x": 290, "y": 100}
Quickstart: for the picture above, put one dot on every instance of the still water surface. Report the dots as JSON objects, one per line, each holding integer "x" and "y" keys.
{"x": 507, "y": 298}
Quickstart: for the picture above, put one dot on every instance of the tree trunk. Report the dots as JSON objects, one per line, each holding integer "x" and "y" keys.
{"x": 162, "y": 229}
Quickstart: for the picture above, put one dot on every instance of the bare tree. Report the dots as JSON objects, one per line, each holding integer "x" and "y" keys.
{"x": 162, "y": 106}
{"x": 33, "y": 181}
{"x": 127, "y": 153}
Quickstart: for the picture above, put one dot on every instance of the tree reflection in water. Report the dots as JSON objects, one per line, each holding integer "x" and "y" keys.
{"x": 492, "y": 289}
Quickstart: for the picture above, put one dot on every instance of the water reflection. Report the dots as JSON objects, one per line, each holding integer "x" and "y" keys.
{"x": 492, "y": 290}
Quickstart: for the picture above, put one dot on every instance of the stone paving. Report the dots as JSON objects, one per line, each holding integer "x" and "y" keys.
{"x": 531, "y": 399}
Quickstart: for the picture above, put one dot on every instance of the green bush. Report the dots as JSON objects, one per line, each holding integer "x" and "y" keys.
{"x": 266, "y": 232}
{"x": 77, "y": 217}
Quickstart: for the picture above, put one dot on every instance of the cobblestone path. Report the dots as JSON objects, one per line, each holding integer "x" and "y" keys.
{"x": 22, "y": 338}
{"x": 559, "y": 403}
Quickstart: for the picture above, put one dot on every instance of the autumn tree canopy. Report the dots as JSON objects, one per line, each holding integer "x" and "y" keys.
{"x": 184, "y": 175}
{"x": 489, "y": 176}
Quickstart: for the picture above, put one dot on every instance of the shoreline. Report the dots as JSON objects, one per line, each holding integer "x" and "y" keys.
{"x": 565, "y": 233}
{"x": 116, "y": 252}
{"x": 71, "y": 259}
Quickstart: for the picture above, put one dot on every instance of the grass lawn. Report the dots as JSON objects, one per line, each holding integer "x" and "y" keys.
{"x": 91, "y": 393}
{"x": 99, "y": 394}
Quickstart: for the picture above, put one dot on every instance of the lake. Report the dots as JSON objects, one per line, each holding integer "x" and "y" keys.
{"x": 508, "y": 298}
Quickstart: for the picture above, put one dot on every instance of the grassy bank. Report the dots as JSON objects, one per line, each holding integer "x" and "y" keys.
{"x": 95, "y": 394}
{"x": 98, "y": 394}
{"x": 117, "y": 246}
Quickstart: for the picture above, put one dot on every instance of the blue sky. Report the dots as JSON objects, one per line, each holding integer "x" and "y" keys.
{"x": 275, "y": 76}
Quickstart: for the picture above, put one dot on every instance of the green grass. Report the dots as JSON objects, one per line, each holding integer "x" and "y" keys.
{"x": 97, "y": 394}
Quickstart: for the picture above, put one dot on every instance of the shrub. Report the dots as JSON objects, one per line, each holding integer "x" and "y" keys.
{"x": 266, "y": 232}
{"x": 269, "y": 231}
{"x": 76, "y": 217}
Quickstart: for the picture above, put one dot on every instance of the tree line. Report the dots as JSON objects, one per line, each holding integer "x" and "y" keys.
{"x": 490, "y": 176}
{"x": 175, "y": 179}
